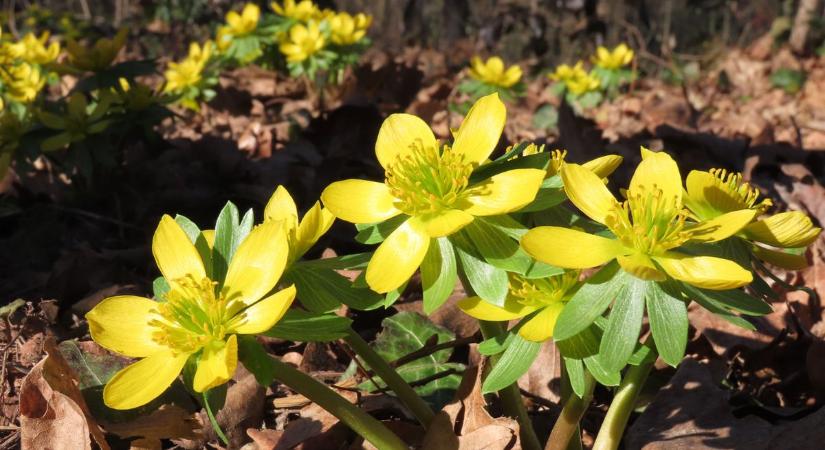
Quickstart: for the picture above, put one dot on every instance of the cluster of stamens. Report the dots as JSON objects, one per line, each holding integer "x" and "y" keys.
{"x": 742, "y": 192}
{"x": 648, "y": 221}
{"x": 542, "y": 292}
{"x": 428, "y": 179}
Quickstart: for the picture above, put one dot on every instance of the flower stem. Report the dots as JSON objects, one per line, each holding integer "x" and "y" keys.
{"x": 511, "y": 396}
{"x": 212, "y": 420}
{"x": 567, "y": 425}
{"x": 610, "y": 433}
{"x": 402, "y": 389}
{"x": 359, "y": 421}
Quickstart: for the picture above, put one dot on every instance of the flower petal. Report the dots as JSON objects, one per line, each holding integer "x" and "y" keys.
{"x": 315, "y": 223}
{"x": 788, "y": 230}
{"x": 640, "y": 266}
{"x": 504, "y": 192}
{"x": 570, "y": 249}
{"x": 781, "y": 259}
{"x": 140, "y": 383}
{"x": 482, "y": 310}
{"x": 397, "y": 258}
{"x": 359, "y": 201}
{"x": 587, "y": 191}
{"x": 121, "y": 324}
{"x": 397, "y": 135}
{"x": 603, "y": 166}
{"x": 658, "y": 170}
{"x": 281, "y": 207}
{"x": 722, "y": 227}
{"x": 257, "y": 264}
{"x": 707, "y": 197}
{"x": 445, "y": 223}
{"x": 478, "y": 135}
{"x": 266, "y": 313}
{"x": 175, "y": 254}
{"x": 217, "y": 364}
{"x": 540, "y": 327}
{"x": 707, "y": 272}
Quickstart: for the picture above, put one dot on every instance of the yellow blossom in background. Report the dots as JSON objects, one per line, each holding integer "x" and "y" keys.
{"x": 301, "y": 42}
{"x": 346, "y": 29}
{"x": 100, "y": 56}
{"x": 301, "y": 11}
{"x": 716, "y": 192}
{"x": 602, "y": 166}
{"x": 34, "y": 50}
{"x": 238, "y": 25}
{"x": 193, "y": 319}
{"x": 575, "y": 78}
{"x": 565, "y": 72}
{"x": 428, "y": 184}
{"x": 614, "y": 59}
{"x": 187, "y": 72}
{"x": 546, "y": 296}
{"x": 494, "y": 73}
{"x": 22, "y": 82}
{"x": 302, "y": 234}
{"x": 648, "y": 227}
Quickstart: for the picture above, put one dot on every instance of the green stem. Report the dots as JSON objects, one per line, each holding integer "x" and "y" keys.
{"x": 510, "y": 396}
{"x": 610, "y": 433}
{"x": 362, "y": 423}
{"x": 212, "y": 420}
{"x": 402, "y": 389}
{"x": 567, "y": 424}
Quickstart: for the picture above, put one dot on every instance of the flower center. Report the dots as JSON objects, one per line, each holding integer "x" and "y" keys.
{"x": 428, "y": 180}
{"x": 542, "y": 292}
{"x": 648, "y": 221}
{"x": 742, "y": 193}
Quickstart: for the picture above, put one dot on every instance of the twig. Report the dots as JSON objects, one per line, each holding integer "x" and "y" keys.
{"x": 91, "y": 215}
{"x": 428, "y": 350}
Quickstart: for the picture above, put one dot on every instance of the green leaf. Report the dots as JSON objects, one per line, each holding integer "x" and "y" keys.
{"x": 668, "y": 323}
{"x": 485, "y": 171}
{"x": 255, "y": 358}
{"x": 198, "y": 240}
{"x": 91, "y": 369}
{"x": 438, "y": 274}
{"x": 375, "y": 233}
{"x": 303, "y": 326}
{"x": 495, "y": 247}
{"x": 589, "y": 301}
{"x": 496, "y": 344}
{"x": 575, "y": 374}
{"x": 550, "y": 194}
{"x": 487, "y": 281}
{"x": 323, "y": 290}
{"x": 9, "y": 309}
{"x": 623, "y": 325}
{"x": 394, "y": 295}
{"x": 720, "y": 311}
{"x": 581, "y": 345}
{"x": 735, "y": 299}
{"x": 513, "y": 363}
{"x": 228, "y": 235}
{"x": 356, "y": 261}
{"x": 600, "y": 373}
{"x": 159, "y": 288}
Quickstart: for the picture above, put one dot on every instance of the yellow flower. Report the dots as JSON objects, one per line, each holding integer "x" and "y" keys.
{"x": 301, "y": 234}
{"x": 547, "y": 296}
{"x": 716, "y": 192}
{"x": 429, "y": 184}
{"x": 614, "y": 59}
{"x": 194, "y": 318}
{"x": 22, "y": 81}
{"x": 493, "y": 72}
{"x": 575, "y": 78}
{"x": 34, "y": 50}
{"x": 187, "y": 72}
{"x": 565, "y": 72}
{"x": 245, "y": 22}
{"x": 301, "y": 42}
{"x": 100, "y": 56}
{"x": 648, "y": 227}
{"x": 602, "y": 166}
{"x": 301, "y": 11}
{"x": 346, "y": 29}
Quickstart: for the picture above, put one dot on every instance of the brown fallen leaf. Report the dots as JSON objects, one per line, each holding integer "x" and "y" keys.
{"x": 53, "y": 413}
{"x": 167, "y": 422}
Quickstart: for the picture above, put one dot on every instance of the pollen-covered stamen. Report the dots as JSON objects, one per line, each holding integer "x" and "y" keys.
{"x": 741, "y": 192}
{"x": 648, "y": 221}
{"x": 428, "y": 179}
{"x": 542, "y": 292}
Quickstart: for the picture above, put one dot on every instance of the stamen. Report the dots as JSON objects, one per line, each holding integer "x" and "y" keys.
{"x": 648, "y": 221}
{"x": 741, "y": 192}
{"x": 542, "y": 292}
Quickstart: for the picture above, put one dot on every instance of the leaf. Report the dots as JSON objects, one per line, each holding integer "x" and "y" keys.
{"x": 495, "y": 247}
{"x": 394, "y": 295}
{"x": 92, "y": 369}
{"x": 668, "y": 323}
{"x": 735, "y": 299}
{"x": 438, "y": 274}
{"x": 485, "y": 171}
{"x": 356, "y": 261}
{"x": 575, "y": 375}
{"x": 159, "y": 288}
{"x": 375, "y": 233}
{"x": 198, "y": 240}
{"x": 589, "y": 301}
{"x": 496, "y": 344}
{"x": 487, "y": 281}
{"x": 227, "y": 239}
{"x": 581, "y": 345}
{"x": 303, "y": 326}
{"x": 600, "y": 373}
{"x": 323, "y": 290}
{"x": 550, "y": 194}
{"x": 9, "y": 309}
{"x": 623, "y": 325}
{"x": 255, "y": 358}
{"x": 513, "y": 363}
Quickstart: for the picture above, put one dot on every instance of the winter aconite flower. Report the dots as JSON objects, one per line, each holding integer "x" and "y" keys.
{"x": 22, "y": 82}
{"x": 100, "y": 56}
{"x": 238, "y": 25}
{"x": 717, "y": 192}
{"x": 545, "y": 297}
{"x": 77, "y": 123}
{"x": 575, "y": 79}
{"x": 34, "y": 50}
{"x": 301, "y": 234}
{"x": 602, "y": 166}
{"x": 346, "y": 29}
{"x": 648, "y": 228}
{"x": 493, "y": 72}
{"x": 428, "y": 184}
{"x": 187, "y": 72}
{"x": 301, "y": 42}
{"x": 614, "y": 59}
{"x": 195, "y": 319}
{"x": 301, "y": 11}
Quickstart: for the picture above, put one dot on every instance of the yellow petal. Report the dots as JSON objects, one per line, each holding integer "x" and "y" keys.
{"x": 570, "y": 249}
{"x": 175, "y": 255}
{"x": 788, "y": 230}
{"x": 359, "y": 201}
{"x": 217, "y": 364}
{"x": 495, "y": 66}
{"x": 140, "y": 383}
{"x": 603, "y": 166}
{"x": 315, "y": 223}
{"x": 445, "y": 223}
{"x": 540, "y": 327}
{"x": 121, "y": 324}
{"x": 257, "y": 264}
{"x": 706, "y": 196}
{"x": 707, "y": 272}
{"x": 721, "y": 227}
{"x": 398, "y": 134}
{"x": 478, "y": 135}
{"x": 481, "y": 310}
{"x": 397, "y": 258}
{"x": 504, "y": 192}
{"x": 781, "y": 259}
{"x": 512, "y": 76}
{"x": 640, "y": 266}
{"x": 658, "y": 170}
{"x": 281, "y": 207}
{"x": 266, "y": 313}
{"x": 587, "y": 191}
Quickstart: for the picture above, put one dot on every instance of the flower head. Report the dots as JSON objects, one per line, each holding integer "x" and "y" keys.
{"x": 301, "y": 42}
{"x": 301, "y": 11}
{"x": 575, "y": 78}
{"x": 649, "y": 227}
{"x": 614, "y": 59}
{"x": 78, "y": 122}
{"x": 346, "y": 29}
{"x": 302, "y": 234}
{"x": 493, "y": 72}
{"x": 245, "y": 22}
{"x": 602, "y": 166}
{"x": 34, "y": 50}
{"x": 22, "y": 81}
{"x": 100, "y": 56}
{"x": 429, "y": 184}
{"x": 187, "y": 72}
{"x": 196, "y": 317}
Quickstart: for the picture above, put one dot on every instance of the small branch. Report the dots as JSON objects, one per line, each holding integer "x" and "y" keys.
{"x": 428, "y": 350}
